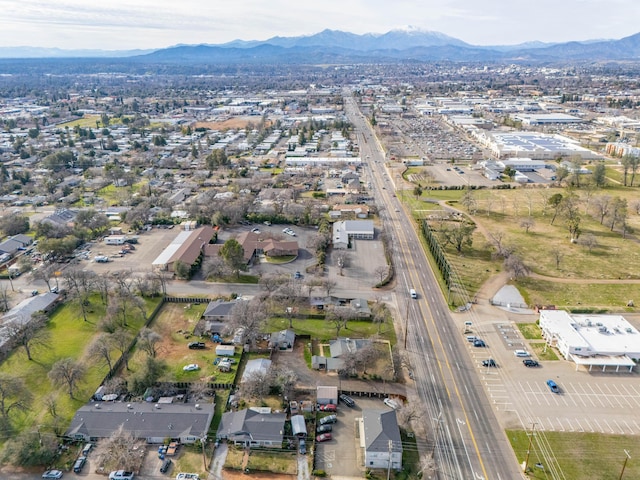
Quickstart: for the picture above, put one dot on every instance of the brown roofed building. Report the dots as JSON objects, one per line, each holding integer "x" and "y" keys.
{"x": 187, "y": 247}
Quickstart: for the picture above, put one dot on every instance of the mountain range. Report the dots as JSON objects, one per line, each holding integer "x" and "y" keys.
{"x": 334, "y": 46}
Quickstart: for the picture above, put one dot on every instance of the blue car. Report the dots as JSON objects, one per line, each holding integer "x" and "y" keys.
{"x": 553, "y": 386}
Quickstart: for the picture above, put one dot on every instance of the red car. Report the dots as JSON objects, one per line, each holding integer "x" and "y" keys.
{"x": 325, "y": 437}
{"x": 329, "y": 407}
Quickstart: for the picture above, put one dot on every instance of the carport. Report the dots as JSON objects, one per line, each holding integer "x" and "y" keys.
{"x": 604, "y": 362}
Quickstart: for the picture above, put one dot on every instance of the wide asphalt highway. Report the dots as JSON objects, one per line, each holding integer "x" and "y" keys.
{"x": 464, "y": 435}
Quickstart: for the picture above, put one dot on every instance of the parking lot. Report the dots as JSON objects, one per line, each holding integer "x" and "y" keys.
{"x": 341, "y": 456}
{"x": 596, "y": 401}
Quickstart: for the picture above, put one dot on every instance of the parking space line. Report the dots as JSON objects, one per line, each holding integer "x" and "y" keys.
{"x": 587, "y": 395}
{"x": 628, "y": 427}
{"x": 560, "y": 423}
{"x": 571, "y": 429}
{"x": 589, "y": 425}
{"x": 597, "y": 396}
{"x": 600, "y": 429}
{"x": 623, "y": 395}
{"x": 609, "y": 426}
{"x": 613, "y": 396}
{"x": 631, "y": 397}
{"x": 619, "y": 427}
{"x": 605, "y": 396}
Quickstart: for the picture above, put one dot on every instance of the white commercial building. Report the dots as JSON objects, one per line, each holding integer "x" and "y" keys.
{"x": 592, "y": 340}
{"x": 346, "y": 230}
{"x": 537, "y": 146}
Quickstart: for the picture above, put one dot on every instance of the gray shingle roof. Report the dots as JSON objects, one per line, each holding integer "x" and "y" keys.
{"x": 380, "y": 427}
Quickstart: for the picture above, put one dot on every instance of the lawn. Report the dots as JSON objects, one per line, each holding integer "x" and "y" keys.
{"x": 285, "y": 462}
{"x": 175, "y": 323}
{"x": 498, "y": 214}
{"x": 543, "y": 351}
{"x": 69, "y": 337}
{"x": 606, "y": 296}
{"x": 190, "y": 459}
{"x": 576, "y": 455}
{"x": 530, "y": 331}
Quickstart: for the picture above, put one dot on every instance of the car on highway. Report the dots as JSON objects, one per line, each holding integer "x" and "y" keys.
{"x": 489, "y": 363}
{"x": 530, "y": 363}
{"x": 553, "y": 386}
{"x": 479, "y": 343}
{"x": 55, "y": 474}
{"x": 324, "y": 429}
{"x": 191, "y": 367}
{"x": 325, "y": 437}
{"x": 197, "y": 345}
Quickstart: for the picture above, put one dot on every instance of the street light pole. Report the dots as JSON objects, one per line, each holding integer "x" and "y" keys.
{"x": 526, "y": 461}
{"x": 624, "y": 465}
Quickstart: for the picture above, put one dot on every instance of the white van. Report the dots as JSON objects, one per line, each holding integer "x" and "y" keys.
{"x": 413, "y": 293}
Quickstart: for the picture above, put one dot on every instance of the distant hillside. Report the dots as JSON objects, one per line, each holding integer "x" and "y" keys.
{"x": 334, "y": 46}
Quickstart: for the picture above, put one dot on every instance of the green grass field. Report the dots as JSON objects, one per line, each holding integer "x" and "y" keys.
{"x": 576, "y": 455}
{"x": 69, "y": 337}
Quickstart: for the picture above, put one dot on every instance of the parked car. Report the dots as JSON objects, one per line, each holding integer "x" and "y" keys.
{"x": 489, "y": 363}
{"x": 530, "y": 363}
{"x": 328, "y": 419}
{"x": 77, "y": 467}
{"x": 86, "y": 449}
{"x": 324, "y": 428}
{"x": 187, "y": 476}
{"x": 121, "y": 475}
{"x": 55, "y": 474}
{"x": 553, "y": 386}
{"x": 325, "y": 437}
{"x": 329, "y": 407}
{"x": 191, "y": 367}
{"x": 391, "y": 403}
{"x": 297, "y": 275}
{"x": 302, "y": 447}
{"x": 197, "y": 345}
{"x": 479, "y": 343}
{"x": 347, "y": 400}
{"x": 255, "y": 230}
{"x": 521, "y": 353}
{"x": 166, "y": 465}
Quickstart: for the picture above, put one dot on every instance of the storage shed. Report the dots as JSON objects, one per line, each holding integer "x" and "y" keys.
{"x": 298, "y": 426}
{"x": 225, "y": 350}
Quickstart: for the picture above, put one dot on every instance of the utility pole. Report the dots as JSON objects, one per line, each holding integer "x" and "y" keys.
{"x": 624, "y": 465}
{"x": 526, "y": 461}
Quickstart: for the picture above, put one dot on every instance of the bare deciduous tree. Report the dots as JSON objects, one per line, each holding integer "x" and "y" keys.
{"x": 527, "y": 223}
{"x": 30, "y": 334}
{"x": 101, "y": 349}
{"x": 121, "y": 450}
{"x": 68, "y": 372}
{"x": 121, "y": 341}
{"x": 338, "y": 317}
{"x": 381, "y": 272}
{"x": 249, "y": 318}
{"x": 590, "y": 241}
{"x": 14, "y": 396}
{"x": 516, "y": 267}
{"x": 148, "y": 340}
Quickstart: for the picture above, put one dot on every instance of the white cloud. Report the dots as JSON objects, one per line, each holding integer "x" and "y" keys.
{"x": 120, "y": 24}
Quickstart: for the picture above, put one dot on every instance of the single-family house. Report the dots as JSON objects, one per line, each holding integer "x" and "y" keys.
{"x": 282, "y": 340}
{"x": 255, "y": 366}
{"x": 380, "y": 439}
{"x": 252, "y": 428}
{"x": 152, "y": 422}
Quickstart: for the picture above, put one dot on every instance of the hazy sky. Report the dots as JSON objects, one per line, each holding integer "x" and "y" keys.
{"x": 128, "y": 24}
